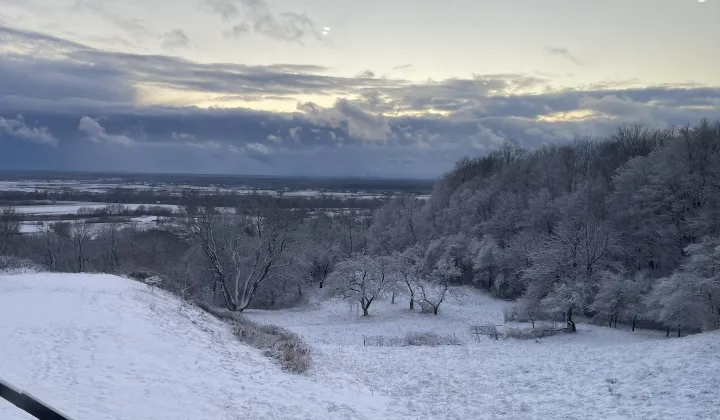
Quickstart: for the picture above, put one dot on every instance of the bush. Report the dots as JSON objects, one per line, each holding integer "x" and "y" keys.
{"x": 275, "y": 342}
{"x": 16, "y": 265}
{"x": 430, "y": 339}
{"x": 411, "y": 339}
{"x": 278, "y": 343}
{"x": 533, "y": 333}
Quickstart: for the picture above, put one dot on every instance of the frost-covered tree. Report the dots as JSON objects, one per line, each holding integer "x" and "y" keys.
{"x": 486, "y": 256}
{"x": 620, "y": 297}
{"x": 440, "y": 270}
{"x": 408, "y": 268}
{"x": 362, "y": 279}
{"x": 566, "y": 268}
{"x": 396, "y": 225}
{"x": 691, "y": 297}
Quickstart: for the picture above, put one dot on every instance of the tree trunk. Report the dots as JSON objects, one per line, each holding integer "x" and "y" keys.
{"x": 435, "y": 310}
{"x": 634, "y": 322}
{"x": 412, "y": 303}
{"x": 678, "y": 332}
{"x": 570, "y": 322}
{"x": 365, "y": 303}
{"x": 392, "y": 300}
{"x": 667, "y": 332}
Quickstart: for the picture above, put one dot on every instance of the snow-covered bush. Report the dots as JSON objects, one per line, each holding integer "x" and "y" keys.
{"x": 411, "y": 339}
{"x": 532, "y": 333}
{"x": 275, "y": 342}
{"x": 16, "y": 265}
{"x": 430, "y": 339}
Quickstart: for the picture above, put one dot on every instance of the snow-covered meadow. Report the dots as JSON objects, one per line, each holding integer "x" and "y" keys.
{"x": 104, "y": 347}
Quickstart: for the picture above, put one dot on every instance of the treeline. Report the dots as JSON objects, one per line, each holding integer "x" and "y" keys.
{"x": 157, "y": 197}
{"x": 624, "y": 230}
{"x": 255, "y": 254}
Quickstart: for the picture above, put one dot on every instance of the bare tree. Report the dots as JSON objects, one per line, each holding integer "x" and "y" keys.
{"x": 244, "y": 248}
{"x": 9, "y": 228}
{"x": 433, "y": 291}
{"x": 80, "y": 233}
{"x": 408, "y": 266}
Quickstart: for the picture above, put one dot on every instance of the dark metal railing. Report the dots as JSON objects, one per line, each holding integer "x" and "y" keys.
{"x": 30, "y": 404}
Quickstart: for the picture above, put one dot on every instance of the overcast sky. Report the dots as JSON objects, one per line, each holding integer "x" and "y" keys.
{"x": 339, "y": 87}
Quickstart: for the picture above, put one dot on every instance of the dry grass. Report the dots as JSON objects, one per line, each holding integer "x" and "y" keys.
{"x": 412, "y": 339}
{"x": 286, "y": 347}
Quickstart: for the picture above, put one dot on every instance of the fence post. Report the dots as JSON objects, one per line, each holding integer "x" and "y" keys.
{"x": 29, "y": 404}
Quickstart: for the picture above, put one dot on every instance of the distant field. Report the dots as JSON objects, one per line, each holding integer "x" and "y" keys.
{"x": 72, "y": 208}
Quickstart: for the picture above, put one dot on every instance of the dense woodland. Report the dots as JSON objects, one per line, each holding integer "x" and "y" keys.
{"x": 624, "y": 230}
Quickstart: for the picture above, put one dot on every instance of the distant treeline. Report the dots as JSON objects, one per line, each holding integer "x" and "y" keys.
{"x": 130, "y": 196}
{"x": 369, "y": 185}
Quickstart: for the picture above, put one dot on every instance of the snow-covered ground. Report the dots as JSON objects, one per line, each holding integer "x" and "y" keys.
{"x": 598, "y": 373}
{"x": 73, "y": 207}
{"x": 103, "y": 347}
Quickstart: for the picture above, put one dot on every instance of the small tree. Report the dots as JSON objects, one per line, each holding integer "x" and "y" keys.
{"x": 408, "y": 266}
{"x": 9, "y": 228}
{"x": 80, "y": 233}
{"x": 433, "y": 290}
{"x": 362, "y": 278}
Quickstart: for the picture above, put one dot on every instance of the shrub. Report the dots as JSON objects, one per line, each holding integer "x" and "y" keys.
{"x": 430, "y": 339}
{"x": 16, "y": 265}
{"x": 275, "y": 342}
{"x": 411, "y": 339}
{"x": 533, "y": 333}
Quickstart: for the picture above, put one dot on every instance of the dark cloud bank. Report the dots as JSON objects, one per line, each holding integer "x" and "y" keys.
{"x": 68, "y": 106}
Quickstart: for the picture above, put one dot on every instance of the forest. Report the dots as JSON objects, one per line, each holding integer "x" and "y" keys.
{"x": 617, "y": 231}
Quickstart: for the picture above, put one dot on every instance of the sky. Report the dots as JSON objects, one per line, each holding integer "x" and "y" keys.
{"x": 382, "y": 88}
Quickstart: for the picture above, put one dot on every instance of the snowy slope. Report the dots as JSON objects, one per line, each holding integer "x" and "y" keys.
{"x": 102, "y": 347}
{"x": 598, "y": 373}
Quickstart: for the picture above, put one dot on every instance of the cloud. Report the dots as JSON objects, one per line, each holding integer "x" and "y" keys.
{"x": 237, "y": 31}
{"x": 375, "y": 126}
{"x": 403, "y": 67}
{"x": 175, "y": 39}
{"x": 96, "y": 133}
{"x": 258, "y": 18}
{"x": 367, "y": 74}
{"x": 131, "y": 25}
{"x": 564, "y": 53}
{"x": 260, "y": 148}
{"x": 17, "y": 128}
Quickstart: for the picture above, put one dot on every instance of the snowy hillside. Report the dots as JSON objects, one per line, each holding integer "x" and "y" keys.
{"x": 102, "y": 347}
{"x": 598, "y": 373}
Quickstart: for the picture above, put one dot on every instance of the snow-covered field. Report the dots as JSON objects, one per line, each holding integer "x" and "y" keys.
{"x": 102, "y": 347}
{"x": 101, "y": 187}
{"x": 73, "y": 207}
